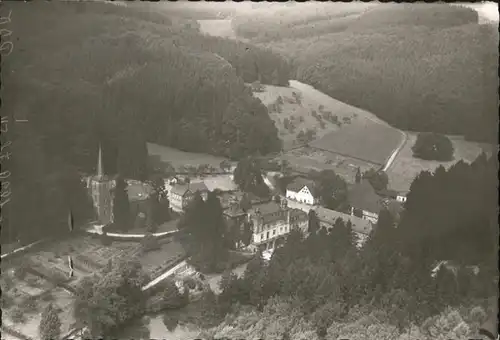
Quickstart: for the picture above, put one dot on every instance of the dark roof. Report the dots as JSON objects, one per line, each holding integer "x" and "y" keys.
{"x": 388, "y": 193}
{"x": 181, "y": 189}
{"x": 328, "y": 216}
{"x": 233, "y": 210}
{"x": 298, "y": 183}
{"x": 298, "y": 213}
{"x": 269, "y": 218}
{"x": 267, "y": 208}
{"x": 362, "y": 196}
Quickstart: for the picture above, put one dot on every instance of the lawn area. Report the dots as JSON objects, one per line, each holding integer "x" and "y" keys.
{"x": 179, "y": 158}
{"x": 405, "y": 168}
{"x": 306, "y": 159}
{"x": 365, "y": 140}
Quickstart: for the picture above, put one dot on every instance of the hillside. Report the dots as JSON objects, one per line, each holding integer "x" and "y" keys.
{"x": 427, "y": 67}
{"x": 89, "y": 73}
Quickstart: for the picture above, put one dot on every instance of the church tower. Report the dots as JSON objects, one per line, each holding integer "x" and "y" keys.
{"x": 101, "y": 187}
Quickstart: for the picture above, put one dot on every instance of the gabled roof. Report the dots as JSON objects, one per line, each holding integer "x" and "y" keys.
{"x": 234, "y": 210}
{"x": 388, "y": 193}
{"x": 181, "y": 189}
{"x": 298, "y": 183}
{"x": 359, "y": 225}
{"x": 363, "y": 196}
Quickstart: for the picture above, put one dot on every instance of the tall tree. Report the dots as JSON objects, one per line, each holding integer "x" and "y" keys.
{"x": 313, "y": 223}
{"x": 357, "y": 178}
{"x": 248, "y": 177}
{"x": 378, "y": 179}
{"x": 104, "y": 302}
{"x": 50, "y": 324}
{"x": 332, "y": 189}
{"x": 121, "y": 205}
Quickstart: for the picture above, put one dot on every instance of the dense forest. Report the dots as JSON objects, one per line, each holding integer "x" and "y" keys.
{"x": 85, "y": 74}
{"x": 321, "y": 287}
{"x": 427, "y": 67}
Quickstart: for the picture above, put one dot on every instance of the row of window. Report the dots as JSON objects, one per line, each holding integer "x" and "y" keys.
{"x": 266, "y": 235}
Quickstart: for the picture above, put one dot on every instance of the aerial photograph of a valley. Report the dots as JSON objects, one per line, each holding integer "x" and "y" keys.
{"x": 249, "y": 170}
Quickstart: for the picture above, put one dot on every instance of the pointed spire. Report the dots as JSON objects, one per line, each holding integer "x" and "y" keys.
{"x": 100, "y": 172}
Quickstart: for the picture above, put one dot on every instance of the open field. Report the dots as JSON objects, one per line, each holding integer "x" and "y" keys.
{"x": 405, "y": 168}
{"x": 305, "y": 159}
{"x": 181, "y": 158}
{"x": 358, "y": 139}
{"x": 363, "y": 140}
{"x": 219, "y": 28}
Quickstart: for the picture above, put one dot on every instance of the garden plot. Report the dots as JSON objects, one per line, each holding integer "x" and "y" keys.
{"x": 33, "y": 285}
{"x": 26, "y": 320}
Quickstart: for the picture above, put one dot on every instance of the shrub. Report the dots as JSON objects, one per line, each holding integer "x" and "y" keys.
{"x": 47, "y": 297}
{"x": 28, "y": 304}
{"x": 106, "y": 240}
{"x": 171, "y": 296}
{"x": 432, "y": 146}
{"x": 6, "y": 300}
{"x": 190, "y": 283}
{"x": 21, "y": 271}
{"x": 17, "y": 315}
{"x": 152, "y": 228}
{"x": 170, "y": 322}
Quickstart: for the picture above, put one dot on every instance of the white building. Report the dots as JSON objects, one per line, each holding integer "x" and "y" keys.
{"x": 401, "y": 197}
{"x": 273, "y": 222}
{"x": 301, "y": 190}
{"x": 181, "y": 194}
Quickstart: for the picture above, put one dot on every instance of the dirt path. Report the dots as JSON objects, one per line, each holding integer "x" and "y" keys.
{"x": 391, "y": 159}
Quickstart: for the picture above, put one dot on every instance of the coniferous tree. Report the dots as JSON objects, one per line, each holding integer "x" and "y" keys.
{"x": 358, "y": 176}
{"x": 171, "y": 298}
{"x": 121, "y": 205}
{"x": 313, "y": 223}
{"x": 50, "y": 324}
{"x": 247, "y": 233}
